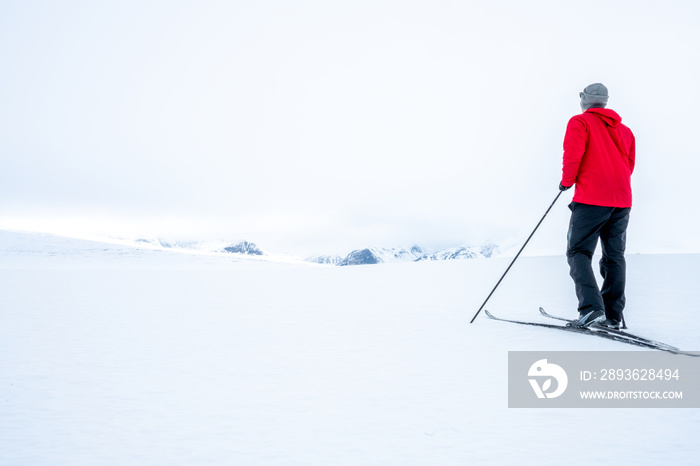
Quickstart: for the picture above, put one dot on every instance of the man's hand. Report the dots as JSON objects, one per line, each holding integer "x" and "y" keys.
{"x": 563, "y": 188}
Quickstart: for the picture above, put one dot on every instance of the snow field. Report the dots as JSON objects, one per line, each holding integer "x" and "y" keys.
{"x": 177, "y": 361}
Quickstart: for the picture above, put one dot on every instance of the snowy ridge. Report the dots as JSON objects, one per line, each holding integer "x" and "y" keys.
{"x": 381, "y": 255}
{"x": 21, "y": 249}
{"x": 462, "y": 252}
{"x": 376, "y": 255}
{"x": 235, "y": 247}
{"x": 328, "y": 260}
{"x": 366, "y": 256}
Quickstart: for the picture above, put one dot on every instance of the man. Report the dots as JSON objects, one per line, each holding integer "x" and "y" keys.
{"x": 599, "y": 155}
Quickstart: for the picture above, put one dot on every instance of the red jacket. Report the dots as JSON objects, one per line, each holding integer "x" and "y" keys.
{"x": 599, "y": 156}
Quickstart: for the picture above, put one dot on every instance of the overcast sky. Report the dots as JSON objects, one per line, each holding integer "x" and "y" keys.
{"x": 316, "y": 127}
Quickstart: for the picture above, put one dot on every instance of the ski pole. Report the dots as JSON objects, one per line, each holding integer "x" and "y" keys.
{"x": 516, "y": 257}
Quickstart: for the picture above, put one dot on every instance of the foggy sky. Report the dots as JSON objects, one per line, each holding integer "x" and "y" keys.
{"x": 320, "y": 127}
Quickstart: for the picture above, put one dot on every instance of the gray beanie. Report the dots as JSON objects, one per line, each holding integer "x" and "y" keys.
{"x": 595, "y": 95}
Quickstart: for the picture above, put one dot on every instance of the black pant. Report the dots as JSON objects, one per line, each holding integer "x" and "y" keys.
{"x": 588, "y": 223}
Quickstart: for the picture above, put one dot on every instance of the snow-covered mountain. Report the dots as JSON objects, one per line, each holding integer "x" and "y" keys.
{"x": 366, "y": 256}
{"x": 244, "y": 247}
{"x": 234, "y": 247}
{"x": 376, "y": 255}
{"x": 462, "y": 252}
{"x": 381, "y": 255}
{"x": 329, "y": 260}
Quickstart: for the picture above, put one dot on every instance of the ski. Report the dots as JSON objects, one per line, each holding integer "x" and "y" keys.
{"x": 601, "y": 334}
{"x": 615, "y": 332}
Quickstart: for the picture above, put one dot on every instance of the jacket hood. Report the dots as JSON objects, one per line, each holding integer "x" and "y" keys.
{"x": 609, "y": 117}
